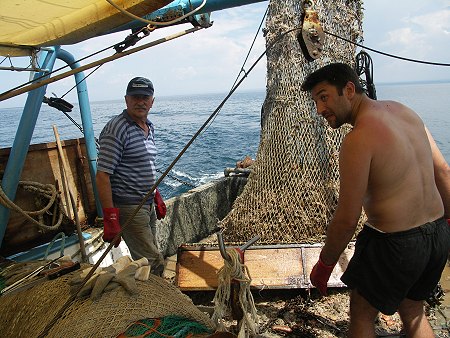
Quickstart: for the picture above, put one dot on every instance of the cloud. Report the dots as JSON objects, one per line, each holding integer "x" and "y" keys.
{"x": 407, "y": 42}
{"x": 435, "y": 24}
{"x": 183, "y": 73}
{"x": 414, "y": 30}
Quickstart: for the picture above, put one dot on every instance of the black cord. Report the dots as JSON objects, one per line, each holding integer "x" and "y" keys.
{"x": 243, "y": 64}
{"x": 390, "y": 55}
{"x": 364, "y": 65}
{"x": 83, "y": 79}
{"x": 56, "y": 70}
{"x": 251, "y": 47}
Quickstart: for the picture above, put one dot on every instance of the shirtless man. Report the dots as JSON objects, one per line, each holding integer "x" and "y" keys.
{"x": 386, "y": 166}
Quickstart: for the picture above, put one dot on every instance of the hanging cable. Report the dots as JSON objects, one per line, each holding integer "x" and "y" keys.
{"x": 251, "y": 47}
{"x": 83, "y": 79}
{"x": 64, "y": 106}
{"x": 245, "y": 60}
{"x": 364, "y": 65}
{"x": 390, "y": 55}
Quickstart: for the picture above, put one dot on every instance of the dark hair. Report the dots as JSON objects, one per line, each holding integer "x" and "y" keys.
{"x": 336, "y": 74}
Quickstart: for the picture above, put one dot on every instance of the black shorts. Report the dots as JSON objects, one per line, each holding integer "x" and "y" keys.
{"x": 389, "y": 267}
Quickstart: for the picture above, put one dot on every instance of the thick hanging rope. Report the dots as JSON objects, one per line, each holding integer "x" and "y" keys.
{"x": 234, "y": 271}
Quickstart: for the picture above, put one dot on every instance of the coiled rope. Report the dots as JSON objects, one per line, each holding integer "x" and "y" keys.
{"x": 46, "y": 190}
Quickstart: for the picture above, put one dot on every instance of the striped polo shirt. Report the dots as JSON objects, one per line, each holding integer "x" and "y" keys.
{"x": 129, "y": 158}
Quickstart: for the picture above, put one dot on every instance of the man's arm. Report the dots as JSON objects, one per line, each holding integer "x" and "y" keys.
{"x": 111, "y": 225}
{"x": 354, "y": 166}
{"x": 104, "y": 189}
{"x": 441, "y": 174}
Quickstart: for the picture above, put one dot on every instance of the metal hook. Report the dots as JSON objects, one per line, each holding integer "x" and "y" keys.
{"x": 242, "y": 248}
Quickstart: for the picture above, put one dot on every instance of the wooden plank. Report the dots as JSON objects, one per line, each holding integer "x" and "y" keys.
{"x": 275, "y": 267}
{"x": 197, "y": 269}
{"x": 42, "y": 165}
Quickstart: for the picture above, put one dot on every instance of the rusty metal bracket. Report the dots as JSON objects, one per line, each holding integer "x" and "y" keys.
{"x": 242, "y": 248}
{"x": 311, "y": 37}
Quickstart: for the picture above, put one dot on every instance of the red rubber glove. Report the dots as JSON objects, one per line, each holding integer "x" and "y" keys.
{"x": 160, "y": 206}
{"x": 320, "y": 274}
{"x": 111, "y": 226}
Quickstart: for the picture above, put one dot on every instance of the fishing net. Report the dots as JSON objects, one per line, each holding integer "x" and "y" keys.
{"x": 293, "y": 188}
{"x": 169, "y": 326}
{"x": 27, "y": 313}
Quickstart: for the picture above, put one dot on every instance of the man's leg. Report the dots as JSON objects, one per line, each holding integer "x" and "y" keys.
{"x": 414, "y": 320}
{"x": 139, "y": 237}
{"x": 362, "y": 317}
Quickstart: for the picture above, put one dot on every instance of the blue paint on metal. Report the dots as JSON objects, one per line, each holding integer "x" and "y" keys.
{"x": 40, "y": 251}
{"x": 19, "y": 149}
{"x": 86, "y": 119}
{"x": 210, "y": 6}
{"x": 183, "y": 7}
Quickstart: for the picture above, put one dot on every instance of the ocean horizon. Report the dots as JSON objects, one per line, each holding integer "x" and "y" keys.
{"x": 233, "y": 134}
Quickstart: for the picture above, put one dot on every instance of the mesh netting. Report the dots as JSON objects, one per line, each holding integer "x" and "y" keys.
{"x": 27, "y": 313}
{"x": 293, "y": 190}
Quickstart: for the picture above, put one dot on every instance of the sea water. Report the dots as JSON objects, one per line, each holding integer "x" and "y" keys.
{"x": 233, "y": 134}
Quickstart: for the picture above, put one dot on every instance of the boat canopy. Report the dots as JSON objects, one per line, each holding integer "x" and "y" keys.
{"x": 27, "y": 25}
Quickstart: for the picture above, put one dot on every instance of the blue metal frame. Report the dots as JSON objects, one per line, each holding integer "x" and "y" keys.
{"x": 22, "y": 140}
{"x": 19, "y": 149}
{"x": 185, "y": 6}
{"x": 86, "y": 119}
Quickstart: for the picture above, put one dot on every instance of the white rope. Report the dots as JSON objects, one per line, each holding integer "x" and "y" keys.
{"x": 235, "y": 271}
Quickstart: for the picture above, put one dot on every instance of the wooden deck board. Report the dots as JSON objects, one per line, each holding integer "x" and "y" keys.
{"x": 274, "y": 267}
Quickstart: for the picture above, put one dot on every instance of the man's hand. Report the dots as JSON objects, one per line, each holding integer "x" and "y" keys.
{"x": 320, "y": 275}
{"x": 111, "y": 225}
{"x": 160, "y": 206}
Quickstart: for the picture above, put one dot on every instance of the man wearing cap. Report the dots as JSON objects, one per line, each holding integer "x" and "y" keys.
{"x": 125, "y": 173}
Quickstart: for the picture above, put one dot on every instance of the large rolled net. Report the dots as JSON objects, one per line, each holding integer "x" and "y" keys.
{"x": 293, "y": 189}
{"x": 28, "y": 312}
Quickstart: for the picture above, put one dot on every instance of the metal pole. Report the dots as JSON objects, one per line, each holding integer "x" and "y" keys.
{"x": 86, "y": 119}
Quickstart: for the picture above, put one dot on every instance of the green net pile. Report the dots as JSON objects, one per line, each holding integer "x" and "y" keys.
{"x": 169, "y": 326}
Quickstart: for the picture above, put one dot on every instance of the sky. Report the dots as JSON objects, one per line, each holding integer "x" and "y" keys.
{"x": 208, "y": 61}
